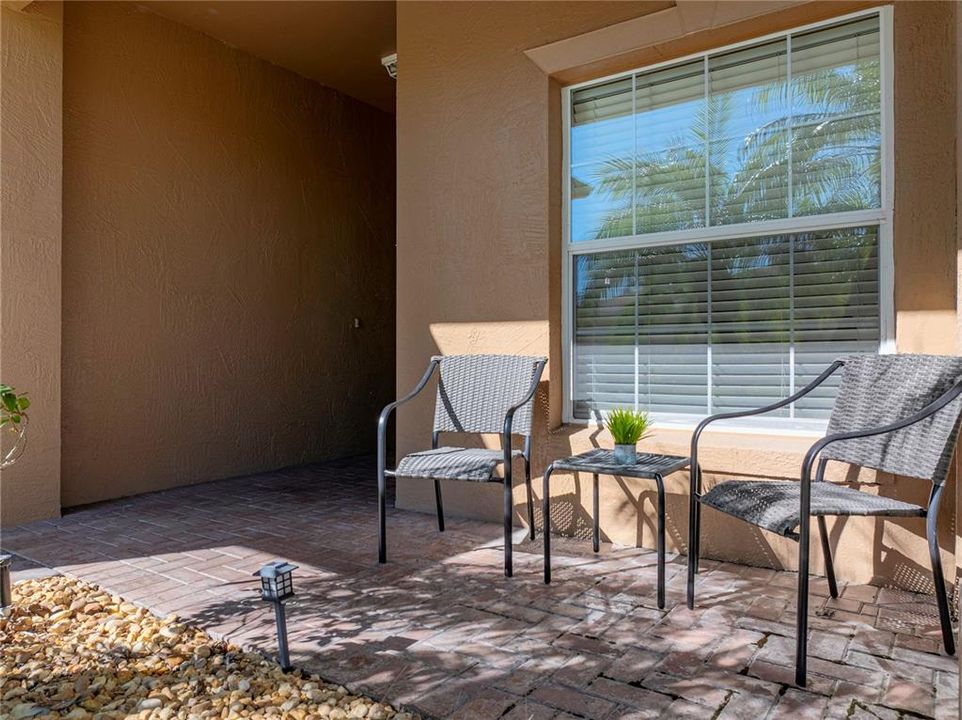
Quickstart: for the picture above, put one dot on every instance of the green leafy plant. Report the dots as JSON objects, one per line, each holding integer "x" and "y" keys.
{"x": 628, "y": 427}
{"x": 14, "y": 406}
{"x": 13, "y": 418}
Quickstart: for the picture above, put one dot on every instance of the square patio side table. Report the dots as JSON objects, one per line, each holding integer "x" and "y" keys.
{"x": 599, "y": 461}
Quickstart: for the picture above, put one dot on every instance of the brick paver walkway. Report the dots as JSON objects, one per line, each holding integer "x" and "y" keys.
{"x": 441, "y": 631}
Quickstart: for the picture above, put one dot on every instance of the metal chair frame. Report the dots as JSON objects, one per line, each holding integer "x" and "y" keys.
{"x": 383, "y": 472}
{"x": 931, "y": 514}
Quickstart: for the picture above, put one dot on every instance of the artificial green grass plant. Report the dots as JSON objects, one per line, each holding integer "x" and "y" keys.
{"x": 628, "y": 427}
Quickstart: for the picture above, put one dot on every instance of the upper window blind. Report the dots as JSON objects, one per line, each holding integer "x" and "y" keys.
{"x": 786, "y": 128}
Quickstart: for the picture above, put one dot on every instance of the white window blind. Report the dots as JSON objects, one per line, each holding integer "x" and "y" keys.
{"x": 701, "y": 321}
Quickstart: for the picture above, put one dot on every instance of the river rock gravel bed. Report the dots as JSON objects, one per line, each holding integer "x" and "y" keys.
{"x": 70, "y": 650}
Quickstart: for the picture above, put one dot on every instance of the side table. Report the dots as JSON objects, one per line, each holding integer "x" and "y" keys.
{"x": 602, "y": 462}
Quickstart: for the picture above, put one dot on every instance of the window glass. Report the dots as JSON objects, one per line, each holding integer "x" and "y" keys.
{"x": 785, "y": 128}
{"x": 700, "y": 310}
{"x": 713, "y": 327}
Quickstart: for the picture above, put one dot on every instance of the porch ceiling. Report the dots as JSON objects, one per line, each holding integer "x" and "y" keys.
{"x": 338, "y": 44}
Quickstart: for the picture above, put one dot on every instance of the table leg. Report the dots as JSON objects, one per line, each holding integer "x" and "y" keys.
{"x": 546, "y": 530}
{"x": 596, "y": 529}
{"x": 660, "y": 541}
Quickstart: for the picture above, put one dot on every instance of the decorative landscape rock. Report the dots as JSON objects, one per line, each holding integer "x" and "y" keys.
{"x": 70, "y": 650}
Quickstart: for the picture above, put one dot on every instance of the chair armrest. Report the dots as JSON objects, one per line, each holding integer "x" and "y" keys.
{"x": 509, "y": 415}
{"x": 696, "y": 435}
{"x": 386, "y": 412}
{"x": 805, "y": 496}
{"x": 930, "y": 409}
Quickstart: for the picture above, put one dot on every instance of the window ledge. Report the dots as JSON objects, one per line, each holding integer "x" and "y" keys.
{"x": 742, "y": 452}
{"x": 777, "y": 427}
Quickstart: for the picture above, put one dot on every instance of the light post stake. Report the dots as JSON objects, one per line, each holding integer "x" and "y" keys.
{"x": 277, "y": 586}
{"x": 6, "y": 598}
{"x": 280, "y": 618}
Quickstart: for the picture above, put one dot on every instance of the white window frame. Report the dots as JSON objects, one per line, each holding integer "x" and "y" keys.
{"x": 882, "y": 217}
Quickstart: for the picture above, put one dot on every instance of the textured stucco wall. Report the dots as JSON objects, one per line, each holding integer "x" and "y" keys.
{"x": 30, "y": 247}
{"x": 478, "y": 119}
{"x": 473, "y": 187}
{"x": 925, "y": 263}
{"x": 958, "y": 283}
{"x": 224, "y": 222}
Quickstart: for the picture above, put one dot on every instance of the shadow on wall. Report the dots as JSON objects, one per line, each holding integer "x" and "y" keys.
{"x": 888, "y": 538}
{"x": 898, "y": 555}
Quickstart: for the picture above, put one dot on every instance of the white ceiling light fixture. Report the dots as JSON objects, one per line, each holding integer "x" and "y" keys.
{"x": 390, "y": 64}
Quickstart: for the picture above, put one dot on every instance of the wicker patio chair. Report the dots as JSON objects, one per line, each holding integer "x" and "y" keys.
{"x": 898, "y": 414}
{"x": 476, "y": 394}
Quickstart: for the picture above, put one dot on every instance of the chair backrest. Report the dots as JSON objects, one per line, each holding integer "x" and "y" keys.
{"x": 878, "y": 390}
{"x": 475, "y": 392}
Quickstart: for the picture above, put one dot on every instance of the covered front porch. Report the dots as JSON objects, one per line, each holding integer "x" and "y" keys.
{"x": 233, "y": 232}
{"x": 440, "y": 631}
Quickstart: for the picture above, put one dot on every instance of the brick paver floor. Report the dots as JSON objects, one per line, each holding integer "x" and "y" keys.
{"x": 439, "y": 629}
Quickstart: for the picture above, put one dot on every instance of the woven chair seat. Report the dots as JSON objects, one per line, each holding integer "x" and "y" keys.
{"x": 453, "y": 463}
{"x": 776, "y": 506}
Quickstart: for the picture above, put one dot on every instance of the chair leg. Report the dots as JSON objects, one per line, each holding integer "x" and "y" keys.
{"x": 660, "y": 541}
{"x": 801, "y": 628}
{"x": 381, "y": 510}
{"x": 697, "y": 537}
{"x": 440, "y": 505}
{"x": 546, "y": 529}
{"x": 508, "y": 512}
{"x": 527, "y": 482}
{"x": 694, "y": 532}
{"x": 827, "y": 554}
{"x": 941, "y": 597}
{"x": 595, "y": 526}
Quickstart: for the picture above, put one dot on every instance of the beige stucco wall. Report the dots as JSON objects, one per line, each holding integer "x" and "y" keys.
{"x": 479, "y": 256}
{"x": 473, "y": 182}
{"x": 224, "y": 221}
{"x": 958, "y": 283}
{"x": 30, "y": 247}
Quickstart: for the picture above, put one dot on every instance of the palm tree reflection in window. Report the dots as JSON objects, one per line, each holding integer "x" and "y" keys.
{"x": 834, "y": 160}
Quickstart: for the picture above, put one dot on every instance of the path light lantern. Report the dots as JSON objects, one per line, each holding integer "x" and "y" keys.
{"x": 277, "y": 585}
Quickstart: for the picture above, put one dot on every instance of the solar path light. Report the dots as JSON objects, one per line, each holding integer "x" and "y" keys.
{"x": 277, "y": 585}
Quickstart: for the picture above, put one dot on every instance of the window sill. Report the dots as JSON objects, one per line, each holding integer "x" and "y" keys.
{"x": 779, "y": 428}
{"x": 723, "y": 452}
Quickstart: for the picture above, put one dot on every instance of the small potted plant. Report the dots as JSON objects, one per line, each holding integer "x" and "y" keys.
{"x": 627, "y": 428}
{"x": 13, "y": 420}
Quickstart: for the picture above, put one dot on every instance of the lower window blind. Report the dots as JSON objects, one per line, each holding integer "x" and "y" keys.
{"x": 697, "y": 328}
